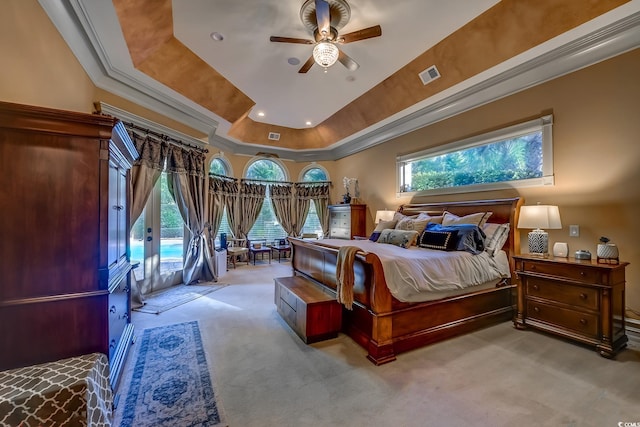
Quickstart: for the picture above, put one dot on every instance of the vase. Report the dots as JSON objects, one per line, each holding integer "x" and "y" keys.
{"x": 346, "y": 199}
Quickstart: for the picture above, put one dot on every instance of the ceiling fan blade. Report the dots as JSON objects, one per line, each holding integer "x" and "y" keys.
{"x": 290, "y": 40}
{"x": 347, "y": 61}
{"x": 323, "y": 16}
{"x": 307, "y": 65}
{"x": 365, "y": 33}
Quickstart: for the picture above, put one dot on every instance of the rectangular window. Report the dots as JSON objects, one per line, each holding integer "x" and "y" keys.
{"x": 517, "y": 156}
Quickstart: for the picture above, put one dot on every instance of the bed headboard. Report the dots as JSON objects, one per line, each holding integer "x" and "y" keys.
{"x": 504, "y": 211}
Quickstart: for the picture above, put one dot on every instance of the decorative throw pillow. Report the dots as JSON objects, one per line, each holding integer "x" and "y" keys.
{"x": 497, "y": 235}
{"x": 478, "y": 219}
{"x": 402, "y": 238}
{"x": 382, "y": 225}
{"x": 409, "y": 223}
{"x": 432, "y": 219}
{"x": 468, "y": 237}
{"x": 444, "y": 240}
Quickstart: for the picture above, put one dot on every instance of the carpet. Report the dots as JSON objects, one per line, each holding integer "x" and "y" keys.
{"x": 170, "y": 384}
{"x": 157, "y": 302}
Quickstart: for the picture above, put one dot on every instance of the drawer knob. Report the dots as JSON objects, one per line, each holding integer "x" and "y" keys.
{"x": 113, "y": 309}
{"x": 535, "y": 287}
{"x": 536, "y": 309}
{"x": 583, "y": 296}
{"x": 582, "y": 273}
{"x": 583, "y": 321}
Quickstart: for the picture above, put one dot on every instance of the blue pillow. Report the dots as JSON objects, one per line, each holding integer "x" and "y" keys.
{"x": 469, "y": 237}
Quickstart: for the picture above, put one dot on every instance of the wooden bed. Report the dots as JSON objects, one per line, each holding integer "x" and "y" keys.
{"x": 385, "y": 326}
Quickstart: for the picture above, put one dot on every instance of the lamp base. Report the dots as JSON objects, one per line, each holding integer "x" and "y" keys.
{"x": 539, "y": 243}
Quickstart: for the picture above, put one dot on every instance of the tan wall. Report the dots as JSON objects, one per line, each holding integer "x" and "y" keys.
{"x": 596, "y": 130}
{"x": 596, "y": 156}
{"x": 38, "y": 68}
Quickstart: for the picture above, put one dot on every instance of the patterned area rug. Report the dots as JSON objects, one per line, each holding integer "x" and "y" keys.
{"x": 174, "y": 296}
{"x": 170, "y": 384}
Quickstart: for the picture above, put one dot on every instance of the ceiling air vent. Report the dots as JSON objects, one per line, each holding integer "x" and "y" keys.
{"x": 274, "y": 136}
{"x": 429, "y": 75}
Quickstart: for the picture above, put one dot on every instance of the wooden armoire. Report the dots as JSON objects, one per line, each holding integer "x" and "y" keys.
{"x": 64, "y": 228}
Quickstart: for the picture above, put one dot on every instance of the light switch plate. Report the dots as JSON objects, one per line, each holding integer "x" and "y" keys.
{"x": 574, "y": 230}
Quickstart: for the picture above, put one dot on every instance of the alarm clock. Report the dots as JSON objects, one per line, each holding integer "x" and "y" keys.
{"x": 582, "y": 254}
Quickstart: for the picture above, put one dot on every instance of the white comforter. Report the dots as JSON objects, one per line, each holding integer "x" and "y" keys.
{"x": 418, "y": 274}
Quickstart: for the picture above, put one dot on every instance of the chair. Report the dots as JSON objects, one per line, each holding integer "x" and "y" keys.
{"x": 236, "y": 249}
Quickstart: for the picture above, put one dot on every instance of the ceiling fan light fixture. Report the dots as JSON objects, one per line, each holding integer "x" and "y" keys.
{"x": 325, "y": 54}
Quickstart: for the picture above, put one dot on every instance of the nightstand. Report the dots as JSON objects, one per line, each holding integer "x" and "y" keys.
{"x": 581, "y": 300}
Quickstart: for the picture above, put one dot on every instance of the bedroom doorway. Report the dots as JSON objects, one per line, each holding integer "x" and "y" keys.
{"x": 157, "y": 241}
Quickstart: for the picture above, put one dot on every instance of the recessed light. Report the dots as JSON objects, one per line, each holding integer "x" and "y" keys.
{"x": 293, "y": 61}
{"x": 261, "y": 114}
{"x": 217, "y": 36}
{"x": 308, "y": 123}
{"x": 351, "y": 78}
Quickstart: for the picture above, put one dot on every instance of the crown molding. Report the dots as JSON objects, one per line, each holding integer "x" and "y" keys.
{"x": 610, "y": 40}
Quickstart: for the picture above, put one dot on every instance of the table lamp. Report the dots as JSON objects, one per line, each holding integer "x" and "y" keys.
{"x": 385, "y": 215}
{"x": 538, "y": 217}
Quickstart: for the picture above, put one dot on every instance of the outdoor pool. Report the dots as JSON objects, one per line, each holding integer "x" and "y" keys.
{"x": 169, "y": 249}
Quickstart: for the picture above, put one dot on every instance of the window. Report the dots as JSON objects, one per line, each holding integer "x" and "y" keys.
{"x": 313, "y": 173}
{"x": 266, "y": 226}
{"x": 516, "y": 156}
{"x": 218, "y": 167}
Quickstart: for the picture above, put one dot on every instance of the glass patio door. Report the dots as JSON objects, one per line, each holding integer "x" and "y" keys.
{"x": 157, "y": 241}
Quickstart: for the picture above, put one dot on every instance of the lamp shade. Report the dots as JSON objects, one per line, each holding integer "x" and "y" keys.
{"x": 540, "y": 216}
{"x": 385, "y": 215}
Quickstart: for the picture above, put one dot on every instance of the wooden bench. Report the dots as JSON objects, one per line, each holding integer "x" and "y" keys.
{"x": 313, "y": 314}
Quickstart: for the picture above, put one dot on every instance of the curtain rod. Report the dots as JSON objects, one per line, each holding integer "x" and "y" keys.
{"x": 267, "y": 180}
{"x": 285, "y": 182}
{"x": 164, "y": 137}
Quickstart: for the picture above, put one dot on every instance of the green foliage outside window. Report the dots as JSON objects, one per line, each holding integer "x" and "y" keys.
{"x": 508, "y": 160}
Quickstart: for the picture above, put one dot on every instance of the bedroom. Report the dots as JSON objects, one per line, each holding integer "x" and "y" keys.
{"x": 595, "y": 134}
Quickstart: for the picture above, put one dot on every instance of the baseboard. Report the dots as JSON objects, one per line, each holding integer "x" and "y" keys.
{"x": 633, "y": 332}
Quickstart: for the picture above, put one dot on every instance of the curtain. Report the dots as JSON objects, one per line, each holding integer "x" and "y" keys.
{"x": 222, "y": 192}
{"x": 145, "y": 171}
{"x": 282, "y": 202}
{"x": 186, "y": 179}
{"x": 251, "y": 198}
{"x": 319, "y": 194}
{"x": 144, "y": 175}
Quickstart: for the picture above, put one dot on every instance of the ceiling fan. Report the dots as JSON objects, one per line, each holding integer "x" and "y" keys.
{"x": 324, "y": 18}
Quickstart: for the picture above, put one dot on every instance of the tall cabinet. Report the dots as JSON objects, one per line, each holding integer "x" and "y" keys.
{"x": 64, "y": 225}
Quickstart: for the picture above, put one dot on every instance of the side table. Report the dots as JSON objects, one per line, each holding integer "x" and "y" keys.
{"x": 280, "y": 249}
{"x": 582, "y": 300}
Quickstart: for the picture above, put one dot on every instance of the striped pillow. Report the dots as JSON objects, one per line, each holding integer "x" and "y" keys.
{"x": 497, "y": 235}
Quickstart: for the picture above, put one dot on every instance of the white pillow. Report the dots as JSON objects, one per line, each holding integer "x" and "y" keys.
{"x": 497, "y": 235}
{"x": 478, "y": 219}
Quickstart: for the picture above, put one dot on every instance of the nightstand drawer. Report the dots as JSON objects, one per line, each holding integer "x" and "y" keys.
{"x": 577, "y": 296}
{"x": 584, "y": 323}
{"x": 575, "y": 272}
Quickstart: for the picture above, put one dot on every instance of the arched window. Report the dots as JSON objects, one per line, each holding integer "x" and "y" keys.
{"x": 313, "y": 173}
{"x": 266, "y": 226}
{"x": 220, "y": 165}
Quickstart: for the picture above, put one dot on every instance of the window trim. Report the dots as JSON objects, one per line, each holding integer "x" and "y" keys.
{"x": 544, "y": 124}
